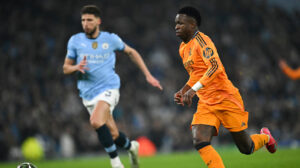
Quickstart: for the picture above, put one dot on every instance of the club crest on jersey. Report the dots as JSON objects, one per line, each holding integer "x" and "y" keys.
{"x": 105, "y": 46}
{"x": 95, "y": 44}
{"x": 208, "y": 52}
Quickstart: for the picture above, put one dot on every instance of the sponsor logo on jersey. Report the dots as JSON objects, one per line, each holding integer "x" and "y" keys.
{"x": 208, "y": 52}
{"x": 95, "y": 58}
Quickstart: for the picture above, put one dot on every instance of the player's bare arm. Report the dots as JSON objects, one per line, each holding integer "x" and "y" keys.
{"x": 70, "y": 68}
{"x": 138, "y": 60}
{"x": 291, "y": 73}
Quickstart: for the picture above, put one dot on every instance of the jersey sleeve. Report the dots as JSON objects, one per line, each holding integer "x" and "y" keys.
{"x": 71, "y": 51}
{"x": 211, "y": 59}
{"x": 118, "y": 43}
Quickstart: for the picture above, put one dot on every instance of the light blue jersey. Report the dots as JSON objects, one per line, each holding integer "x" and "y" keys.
{"x": 101, "y": 59}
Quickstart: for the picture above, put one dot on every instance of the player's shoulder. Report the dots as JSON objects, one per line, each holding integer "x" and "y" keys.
{"x": 203, "y": 39}
{"x": 108, "y": 34}
{"x": 111, "y": 37}
{"x": 182, "y": 44}
{"x": 77, "y": 36}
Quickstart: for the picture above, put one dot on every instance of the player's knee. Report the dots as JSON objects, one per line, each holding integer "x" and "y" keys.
{"x": 200, "y": 145}
{"x": 200, "y": 142}
{"x": 96, "y": 123}
{"x": 247, "y": 150}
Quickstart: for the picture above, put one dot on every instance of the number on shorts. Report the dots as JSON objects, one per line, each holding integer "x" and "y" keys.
{"x": 108, "y": 93}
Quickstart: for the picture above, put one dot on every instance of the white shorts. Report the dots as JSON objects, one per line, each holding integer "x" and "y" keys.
{"x": 110, "y": 96}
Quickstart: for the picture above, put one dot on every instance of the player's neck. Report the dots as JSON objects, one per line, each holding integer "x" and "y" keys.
{"x": 190, "y": 37}
{"x": 94, "y": 35}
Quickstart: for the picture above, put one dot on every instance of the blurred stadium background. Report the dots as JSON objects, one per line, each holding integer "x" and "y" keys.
{"x": 36, "y": 99}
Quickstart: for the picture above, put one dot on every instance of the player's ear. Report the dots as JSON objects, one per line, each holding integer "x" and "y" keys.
{"x": 194, "y": 24}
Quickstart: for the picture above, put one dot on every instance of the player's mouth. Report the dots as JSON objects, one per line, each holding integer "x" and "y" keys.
{"x": 87, "y": 30}
{"x": 178, "y": 33}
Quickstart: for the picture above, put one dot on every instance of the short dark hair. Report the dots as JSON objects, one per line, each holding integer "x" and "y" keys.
{"x": 192, "y": 12}
{"x": 91, "y": 9}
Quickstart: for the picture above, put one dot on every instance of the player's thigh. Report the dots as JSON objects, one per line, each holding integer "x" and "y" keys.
{"x": 205, "y": 116}
{"x": 101, "y": 113}
{"x": 232, "y": 114}
{"x": 103, "y": 110}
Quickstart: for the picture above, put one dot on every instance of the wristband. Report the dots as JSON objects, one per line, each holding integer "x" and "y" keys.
{"x": 197, "y": 86}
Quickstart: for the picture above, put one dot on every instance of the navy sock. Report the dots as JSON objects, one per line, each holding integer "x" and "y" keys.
{"x": 122, "y": 141}
{"x": 106, "y": 140}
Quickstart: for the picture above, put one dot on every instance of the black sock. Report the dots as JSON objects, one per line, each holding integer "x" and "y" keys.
{"x": 122, "y": 141}
{"x": 106, "y": 140}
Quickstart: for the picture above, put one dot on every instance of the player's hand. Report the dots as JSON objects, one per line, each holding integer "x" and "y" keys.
{"x": 154, "y": 82}
{"x": 188, "y": 97}
{"x": 178, "y": 98}
{"x": 81, "y": 67}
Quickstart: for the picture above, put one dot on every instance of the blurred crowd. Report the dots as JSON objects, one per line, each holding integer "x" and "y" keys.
{"x": 36, "y": 99}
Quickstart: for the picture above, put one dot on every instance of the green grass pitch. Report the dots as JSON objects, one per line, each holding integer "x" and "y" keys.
{"x": 283, "y": 158}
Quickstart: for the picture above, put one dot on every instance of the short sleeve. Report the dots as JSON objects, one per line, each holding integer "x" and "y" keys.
{"x": 71, "y": 52}
{"x": 118, "y": 43}
{"x": 211, "y": 59}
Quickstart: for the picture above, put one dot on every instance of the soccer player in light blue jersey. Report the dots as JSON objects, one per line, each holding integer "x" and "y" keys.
{"x": 92, "y": 54}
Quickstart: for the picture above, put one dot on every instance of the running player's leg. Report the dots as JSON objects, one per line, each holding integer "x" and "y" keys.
{"x": 121, "y": 140}
{"x": 100, "y": 110}
{"x": 236, "y": 122}
{"x": 243, "y": 142}
{"x": 202, "y": 135}
{"x": 233, "y": 117}
{"x": 98, "y": 120}
{"x": 249, "y": 144}
{"x": 111, "y": 124}
{"x": 205, "y": 125}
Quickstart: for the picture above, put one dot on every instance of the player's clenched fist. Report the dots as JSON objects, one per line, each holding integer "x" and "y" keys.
{"x": 178, "y": 98}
